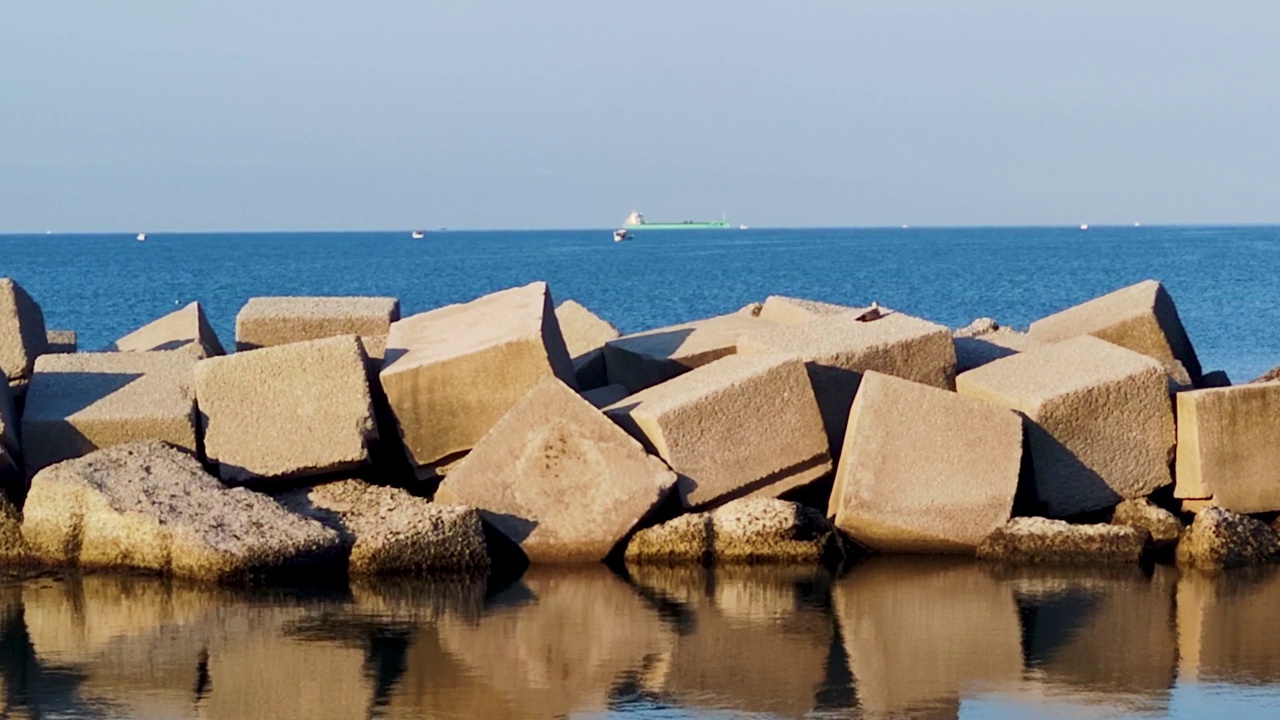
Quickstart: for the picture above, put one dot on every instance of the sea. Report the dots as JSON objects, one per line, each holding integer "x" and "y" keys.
{"x": 891, "y": 637}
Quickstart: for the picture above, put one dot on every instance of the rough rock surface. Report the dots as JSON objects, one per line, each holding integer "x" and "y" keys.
{"x": 390, "y": 531}
{"x": 1271, "y": 375}
{"x": 450, "y": 374}
{"x": 924, "y": 469}
{"x": 558, "y": 478}
{"x": 1034, "y": 540}
{"x": 82, "y": 402}
{"x": 60, "y": 341}
{"x": 1141, "y": 317}
{"x": 22, "y": 331}
{"x": 185, "y": 329}
{"x": 642, "y": 360}
{"x": 1227, "y": 447}
{"x": 980, "y": 343}
{"x": 750, "y": 530}
{"x": 270, "y": 321}
{"x": 8, "y": 422}
{"x": 1099, "y": 427}
{"x": 585, "y": 334}
{"x": 1164, "y": 526}
{"x": 286, "y": 411}
{"x": 150, "y": 506}
{"x": 796, "y": 311}
{"x": 13, "y": 547}
{"x": 742, "y": 425}
{"x": 1220, "y": 538}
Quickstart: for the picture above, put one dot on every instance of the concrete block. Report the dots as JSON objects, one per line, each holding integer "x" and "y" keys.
{"x": 22, "y": 331}
{"x": 645, "y": 359}
{"x": 585, "y": 334}
{"x": 1099, "y": 424}
{"x": 286, "y": 411}
{"x": 1227, "y": 447}
{"x": 60, "y": 341}
{"x": 797, "y": 311}
{"x": 973, "y": 351}
{"x": 450, "y": 374}
{"x": 185, "y": 329}
{"x": 82, "y": 402}
{"x": 558, "y": 478}
{"x": 270, "y": 321}
{"x": 743, "y": 425}
{"x": 603, "y": 397}
{"x": 925, "y": 470}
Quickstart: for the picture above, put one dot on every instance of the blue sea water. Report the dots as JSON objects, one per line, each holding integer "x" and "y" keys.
{"x": 1223, "y": 279}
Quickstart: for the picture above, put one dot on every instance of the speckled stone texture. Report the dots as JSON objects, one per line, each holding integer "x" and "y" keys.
{"x": 450, "y": 374}
{"x": 185, "y": 329}
{"x": 585, "y": 334}
{"x": 749, "y": 531}
{"x": 391, "y": 532}
{"x": 796, "y": 311}
{"x": 60, "y": 341}
{"x": 837, "y": 348}
{"x": 22, "y": 331}
{"x": 1220, "y": 539}
{"x": 1164, "y": 526}
{"x": 925, "y": 470}
{"x": 558, "y": 478}
{"x": 1139, "y": 317}
{"x": 1099, "y": 423}
{"x": 642, "y": 360}
{"x": 149, "y": 506}
{"x": 1034, "y": 540}
{"x": 13, "y": 547}
{"x": 286, "y": 411}
{"x": 83, "y": 402}
{"x": 1228, "y": 449}
{"x": 742, "y": 425}
{"x": 270, "y": 321}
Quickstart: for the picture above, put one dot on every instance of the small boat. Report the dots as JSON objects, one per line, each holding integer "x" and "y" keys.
{"x": 1084, "y": 226}
{"x": 141, "y": 237}
{"x": 417, "y": 234}
{"x": 620, "y": 234}
{"x": 742, "y": 227}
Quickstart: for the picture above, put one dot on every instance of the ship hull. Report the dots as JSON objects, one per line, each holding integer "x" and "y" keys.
{"x": 713, "y": 225}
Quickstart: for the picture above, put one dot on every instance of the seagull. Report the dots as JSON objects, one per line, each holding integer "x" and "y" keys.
{"x": 871, "y": 313}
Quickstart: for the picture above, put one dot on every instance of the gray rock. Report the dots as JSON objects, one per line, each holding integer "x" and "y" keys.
{"x": 1036, "y": 540}
{"x": 1164, "y": 526}
{"x": 1220, "y": 538}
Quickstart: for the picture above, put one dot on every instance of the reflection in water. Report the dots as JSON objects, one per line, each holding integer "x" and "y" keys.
{"x": 893, "y": 637}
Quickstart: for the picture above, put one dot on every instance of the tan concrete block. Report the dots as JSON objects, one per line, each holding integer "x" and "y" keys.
{"x": 60, "y": 341}
{"x": 645, "y": 359}
{"x": 743, "y": 425}
{"x": 22, "y": 332}
{"x": 185, "y": 329}
{"x": 797, "y": 311}
{"x": 974, "y": 351}
{"x": 585, "y": 334}
{"x": 925, "y": 470}
{"x": 82, "y": 402}
{"x": 837, "y": 349}
{"x": 1140, "y": 317}
{"x": 1227, "y": 447}
{"x": 286, "y": 411}
{"x": 450, "y": 374}
{"x": 1100, "y": 427}
{"x": 558, "y": 478}
{"x": 270, "y": 321}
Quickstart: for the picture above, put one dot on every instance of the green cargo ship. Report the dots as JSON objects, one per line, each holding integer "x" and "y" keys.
{"x": 637, "y": 221}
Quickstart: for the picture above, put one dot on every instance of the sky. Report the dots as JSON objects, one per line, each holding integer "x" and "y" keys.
{"x": 389, "y": 114}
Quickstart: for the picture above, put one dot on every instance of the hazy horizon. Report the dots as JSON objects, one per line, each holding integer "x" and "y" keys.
{"x": 291, "y": 116}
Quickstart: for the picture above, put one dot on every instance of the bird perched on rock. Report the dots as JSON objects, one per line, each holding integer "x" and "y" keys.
{"x": 871, "y": 313}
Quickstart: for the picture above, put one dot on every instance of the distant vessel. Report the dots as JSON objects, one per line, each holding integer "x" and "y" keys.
{"x": 141, "y": 237}
{"x": 417, "y": 235}
{"x": 619, "y": 235}
{"x": 1084, "y": 226}
{"x": 637, "y": 221}
{"x": 742, "y": 227}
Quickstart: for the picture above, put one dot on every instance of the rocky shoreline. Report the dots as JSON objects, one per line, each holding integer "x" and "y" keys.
{"x": 341, "y": 439}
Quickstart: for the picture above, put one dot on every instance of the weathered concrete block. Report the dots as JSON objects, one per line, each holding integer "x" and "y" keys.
{"x": 585, "y": 334}
{"x": 22, "y": 332}
{"x": 150, "y": 506}
{"x": 558, "y": 478}
{"x": 797, "y": 311}
{"x": 1035, "y": 540}
{"x": 979, "y": 344}
{"x": 286, "y": 411}
{"x": 1220, "y": 538}
{"x": 645, "y": 359}
{"x": 390, "y": 531}
{"x": 450, "y": 374}
{"x": 749, "y": 531}
{"x": 1227, "y": 447}
{"x": 923, "y": 469}
{"x": 60, "y": 341}
{"x": 837, "y": 349}
{"x": 1164, "y": 526}
{"x": 185, "y": 329}
{"x": 743, "y": 425}
{"x": 270, "y": 321}
{"x": 82, "y": 402}
{"x": 1099, "y": 427}
{"x": 1140, "y": 317}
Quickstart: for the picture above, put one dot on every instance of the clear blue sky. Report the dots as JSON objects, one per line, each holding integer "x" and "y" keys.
{"x": 237, "y": 115}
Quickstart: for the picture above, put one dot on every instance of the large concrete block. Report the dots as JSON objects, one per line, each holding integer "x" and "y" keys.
{"x": 1100, "y": 427}
{"x": 270, "y": 321}
{"x": 585, "y": 334}
{"x": 982, "y": 342}
{"x": 645, "y": 359}
{"x": 558, "y": 478}
{"x": 60, "y": 341}
{"x": 925, "y": 470}
{"x": 796, "y": 311}
{"x": 450, "y": 374}
{"x": 837, "y": 349}
{"x": 743, "y": 425}
{"x": 1140, "y": 317}
{"x": 22, "y": 331}
{"x": 1227, "y": 447}
{"x": 286, "y": 411}
{"x": 185, "y": 329}
{"x": 81, "y": 402}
